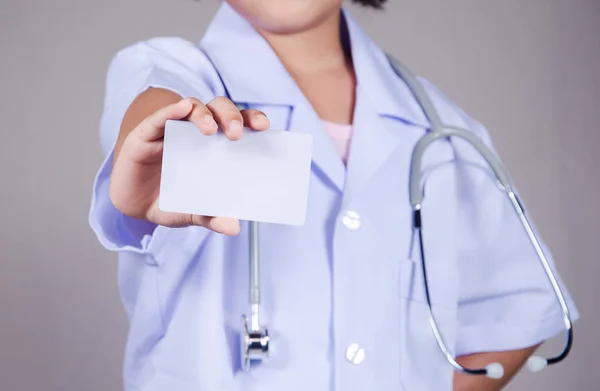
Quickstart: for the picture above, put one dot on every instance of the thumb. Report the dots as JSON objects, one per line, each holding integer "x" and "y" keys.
{"x": 224, "y": 225}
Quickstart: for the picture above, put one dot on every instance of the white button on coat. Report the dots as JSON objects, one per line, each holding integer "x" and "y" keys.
{"x": 355, "y": 354}
{"x": 351, "y": 220}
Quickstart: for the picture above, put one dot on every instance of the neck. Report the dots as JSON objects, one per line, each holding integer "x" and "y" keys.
{"x": 311, "y": 51}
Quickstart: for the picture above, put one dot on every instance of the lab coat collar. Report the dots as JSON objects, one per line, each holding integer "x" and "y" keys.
{"x": 388, "y": 94}
{"x": 253, "y": 74}
{"x": 248, "y": 66}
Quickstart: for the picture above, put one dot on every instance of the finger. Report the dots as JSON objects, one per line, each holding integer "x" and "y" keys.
{"x": 223, "y": 225}
{"x": 255, "y": 119}
{"x": 202, "y": 118}
{"x": 228, "y": 117}
{"x": 153, "y": 127}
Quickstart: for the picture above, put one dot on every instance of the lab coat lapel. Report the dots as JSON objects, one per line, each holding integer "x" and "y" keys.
{"x": 382, "y": 99}
{"x": 371, "y": 145}
{"x": 327, "y": 162}
{"x": 255, "y": 77}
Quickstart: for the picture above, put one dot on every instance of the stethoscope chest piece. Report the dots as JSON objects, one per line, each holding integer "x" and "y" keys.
{"x": 254, "y": 345}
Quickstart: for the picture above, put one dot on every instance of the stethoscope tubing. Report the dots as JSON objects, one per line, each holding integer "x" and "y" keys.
{"x": 440, "y": 131}
{"x": 255, "y": 340}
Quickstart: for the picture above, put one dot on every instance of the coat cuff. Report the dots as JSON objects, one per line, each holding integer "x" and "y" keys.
{"x": 115, "y": 231}
{"x": 498, "y": 337}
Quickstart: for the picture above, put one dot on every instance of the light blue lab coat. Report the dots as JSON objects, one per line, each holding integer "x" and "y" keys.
{"x": 343, "y": 295}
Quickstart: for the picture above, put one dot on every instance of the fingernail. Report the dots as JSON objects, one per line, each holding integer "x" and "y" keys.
{"x": 235, "y": 126}
{"x": 262, "y": 118}
{"x": 210, "y": 121}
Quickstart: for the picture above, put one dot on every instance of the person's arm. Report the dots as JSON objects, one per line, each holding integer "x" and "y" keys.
{"x": 144, "y": 82}
{"x": 512, "y": 361}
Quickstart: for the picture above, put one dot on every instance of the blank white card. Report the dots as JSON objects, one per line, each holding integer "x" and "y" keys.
{"x": 262, "y": 177}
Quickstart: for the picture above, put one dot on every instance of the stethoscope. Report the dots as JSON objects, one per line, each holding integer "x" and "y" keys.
{"x": 255, "y": 340}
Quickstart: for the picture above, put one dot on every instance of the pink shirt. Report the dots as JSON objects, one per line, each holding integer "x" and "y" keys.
{"x": 340, "y": 135}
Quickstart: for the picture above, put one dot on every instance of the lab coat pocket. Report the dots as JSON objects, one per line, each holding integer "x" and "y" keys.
{"x": 422, "y": 364}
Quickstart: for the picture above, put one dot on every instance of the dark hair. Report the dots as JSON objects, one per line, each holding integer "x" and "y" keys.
{"x": 371, "y": 3}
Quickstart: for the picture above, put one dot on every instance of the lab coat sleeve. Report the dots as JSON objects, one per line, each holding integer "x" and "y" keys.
{"x": 506, "y": 301}
{"x": 148, "y": 64}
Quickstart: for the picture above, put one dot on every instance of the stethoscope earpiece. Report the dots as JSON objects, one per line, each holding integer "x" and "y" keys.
{"x": 494, "y": 370}
{"x": 536, "y": 363}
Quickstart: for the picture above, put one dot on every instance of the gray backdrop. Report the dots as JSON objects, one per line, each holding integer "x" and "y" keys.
{"x": 527, "y": 69}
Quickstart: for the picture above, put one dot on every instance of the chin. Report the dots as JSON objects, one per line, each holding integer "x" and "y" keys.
{"x": 286, "y": 16}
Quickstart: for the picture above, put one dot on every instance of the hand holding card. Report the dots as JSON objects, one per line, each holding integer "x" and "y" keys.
{"x": 262, "y": 177}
